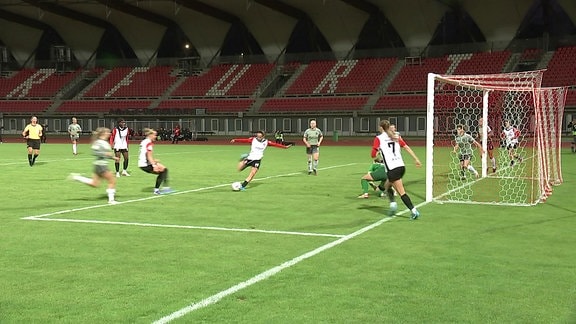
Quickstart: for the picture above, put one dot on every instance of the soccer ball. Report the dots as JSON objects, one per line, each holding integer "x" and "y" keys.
{"x": 236, "y": 186}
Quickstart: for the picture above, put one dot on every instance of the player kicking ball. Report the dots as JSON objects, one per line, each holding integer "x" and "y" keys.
{"x": 253, "y": 160}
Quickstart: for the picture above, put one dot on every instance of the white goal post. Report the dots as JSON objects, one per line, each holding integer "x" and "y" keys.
{"x": 526, "y": 129}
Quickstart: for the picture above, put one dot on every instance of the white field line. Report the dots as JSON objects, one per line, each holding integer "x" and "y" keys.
{"x": 48, "y": 216}
{"x": 271, "y": 272}
{"x": 88, "y": 157}
{"x": 184, "y": 226}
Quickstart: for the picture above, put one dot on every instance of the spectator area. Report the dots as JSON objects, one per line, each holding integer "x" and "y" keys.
{"x": 346, "y": 76}
{"x": 414, "y": 76}
{"x": 480, "y": 63}
{"x": 561, "y": 70}
{"x": 24, "y": 106}
{"x": 129, "y": 82}
{"x": 315, "y": 104}
{"x": 35, "y": 83}
{"x": 211, "y": 105}
{"x": 224, "y": 80}
{"x": 98, "y": 106}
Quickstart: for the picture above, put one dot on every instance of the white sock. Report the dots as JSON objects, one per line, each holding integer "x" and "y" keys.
{"x": 493, "y": 162}
{"x": 315, "y": 164}
{"x": 82, "y": 179}
{"x": 74, "y": 148}
{"x": 110, "y": 193}
{"x": 471, "y": 169}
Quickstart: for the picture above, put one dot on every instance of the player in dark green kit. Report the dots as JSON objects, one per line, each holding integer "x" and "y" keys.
{"x": 377, "y": 172}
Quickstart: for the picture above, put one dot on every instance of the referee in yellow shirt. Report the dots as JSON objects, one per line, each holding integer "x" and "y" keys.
{"x": 32, "y": 133}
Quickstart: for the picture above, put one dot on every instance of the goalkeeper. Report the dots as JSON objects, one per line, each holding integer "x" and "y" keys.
{"x": 377, "y": 172}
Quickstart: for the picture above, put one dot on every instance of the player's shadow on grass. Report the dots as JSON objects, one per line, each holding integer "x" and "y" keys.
{"x": 382, "y": 210}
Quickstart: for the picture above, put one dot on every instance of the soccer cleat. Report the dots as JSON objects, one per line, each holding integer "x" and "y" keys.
{"x": 156, "y": 191}
{"x": 364, "y": 195}
{"x": 477, "y": 175}
{"x": 415, "y": 214}
{"x": 462, "y": 178}
{"x": 494, "y": 170}
{"x": 309, "y": 172}
{"x": 393, "y": 208}
{"x": 112, "y": 202}
{"x": 315, "y": 172}
{"x": 125, "y": 173}
{"x": 242, "y": 189}
{"x": 117, "y": 174}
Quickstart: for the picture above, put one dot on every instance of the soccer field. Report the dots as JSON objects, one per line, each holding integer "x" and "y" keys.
{"x": 292, "y": 248}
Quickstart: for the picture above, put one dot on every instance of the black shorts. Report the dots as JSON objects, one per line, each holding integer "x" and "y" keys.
{"x": 396, "y": 173}
{"x": 512, "y": 146}
{"x": 121, "y": 150}
{"x": 312, "y": 149}
{"x": 33, "y": 143}
{"x": 148, "y": 169}
{"x": 251, "y": 163}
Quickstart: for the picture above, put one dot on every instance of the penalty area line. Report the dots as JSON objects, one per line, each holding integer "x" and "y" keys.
{"x": 72, "y": 210}
{"x": 213, "y": 228}
{"x": 271, "y": 272}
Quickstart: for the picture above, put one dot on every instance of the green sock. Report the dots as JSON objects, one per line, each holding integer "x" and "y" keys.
{"x": 364, "y": 184}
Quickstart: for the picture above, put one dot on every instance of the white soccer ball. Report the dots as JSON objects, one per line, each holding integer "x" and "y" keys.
{"x": 236, "y": 185}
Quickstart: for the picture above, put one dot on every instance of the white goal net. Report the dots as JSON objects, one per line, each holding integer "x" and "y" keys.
{"x": 518, "y": 125}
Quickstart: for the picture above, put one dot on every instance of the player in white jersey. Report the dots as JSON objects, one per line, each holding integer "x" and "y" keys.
{"x": 253, "y": 159}
{"x": 149, "y": 164}
{"x": 119, "y": 142}
{"x": 489, "y": 144}
{"x": 511, "y": 137}
{"x": 103, "y": 152}
{"x": 388, "y": 144}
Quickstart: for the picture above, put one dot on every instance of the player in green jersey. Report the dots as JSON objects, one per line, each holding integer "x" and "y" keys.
{"x": 103, "y": 152}
{"x": 377, "y": 172}
{"x": 313, "y": 138}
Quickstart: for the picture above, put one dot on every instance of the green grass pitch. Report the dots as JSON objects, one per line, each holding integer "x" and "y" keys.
{"x": 292, "y": 248}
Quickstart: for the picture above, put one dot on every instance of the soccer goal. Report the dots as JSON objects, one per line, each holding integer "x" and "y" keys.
{"x": 526, "y": 128}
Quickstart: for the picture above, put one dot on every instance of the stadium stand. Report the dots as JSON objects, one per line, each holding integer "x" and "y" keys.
{"x": 211, "y": 105}
{"x": 132, "y": 82}
{"x": 99, "y": 106}
{"x": 224, "y": 80}
{"x": 24, "y": 106}
{"x": 413, "y": 77}
{"x": 35, "y": 83}
{"x": 480, "y": 63}
{"x": 387, "y": 102}
{"x": 560, "y": 70}
{"x": 314, "y": 104}
{"x": 347, "y": 76}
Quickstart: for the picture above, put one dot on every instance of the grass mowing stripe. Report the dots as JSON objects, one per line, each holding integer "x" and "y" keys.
{"x": 66, "y": 211}
{"x": 273, "y": 271}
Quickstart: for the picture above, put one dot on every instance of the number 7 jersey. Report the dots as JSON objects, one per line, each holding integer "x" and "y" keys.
{"x": 390, "y": 150}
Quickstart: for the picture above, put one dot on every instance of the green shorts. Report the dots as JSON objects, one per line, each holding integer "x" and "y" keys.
{"x": 379, "y": 174}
